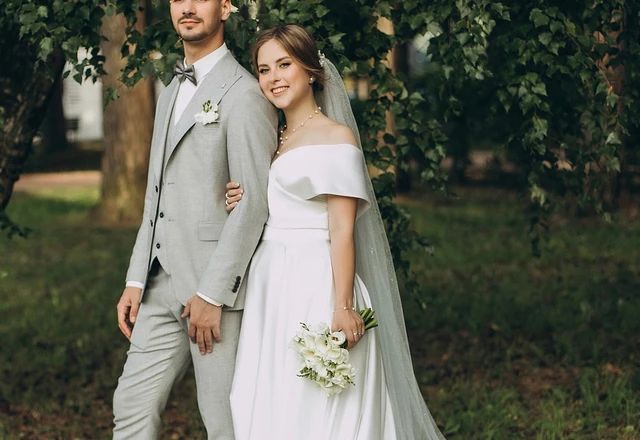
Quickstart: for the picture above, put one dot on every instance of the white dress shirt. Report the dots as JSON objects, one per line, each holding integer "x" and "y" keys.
{"x": 186, "y": 91}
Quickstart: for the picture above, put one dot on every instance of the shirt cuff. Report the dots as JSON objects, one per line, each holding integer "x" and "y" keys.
{"x": 209, "y": 300}
{"x": 135, "y": 284}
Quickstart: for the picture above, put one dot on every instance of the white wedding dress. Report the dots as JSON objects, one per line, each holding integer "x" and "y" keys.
{"x": 290, "y": 281}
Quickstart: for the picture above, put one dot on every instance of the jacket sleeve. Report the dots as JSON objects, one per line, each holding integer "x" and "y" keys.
{"x": 139, "y": 262}
{"x": 251, "y": 143}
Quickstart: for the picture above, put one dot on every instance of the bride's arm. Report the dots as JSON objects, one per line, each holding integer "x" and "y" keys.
{"x": 342, "y": 218}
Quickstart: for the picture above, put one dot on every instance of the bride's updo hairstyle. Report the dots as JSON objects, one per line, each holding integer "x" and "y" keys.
{"x": 299, "y": 44}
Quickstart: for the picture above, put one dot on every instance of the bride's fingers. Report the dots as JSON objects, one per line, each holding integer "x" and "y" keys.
{"x": 234, "y": 193}
{"x": 231, "y": 198}
{"x": 353, "y": 339}
{"x": 232, "y": 185}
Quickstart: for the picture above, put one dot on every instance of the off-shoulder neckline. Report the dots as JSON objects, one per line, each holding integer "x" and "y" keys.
{"x": 279, "y": 157}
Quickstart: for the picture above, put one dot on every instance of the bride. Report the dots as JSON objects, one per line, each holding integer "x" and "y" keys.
{"x": 323, "y": 256}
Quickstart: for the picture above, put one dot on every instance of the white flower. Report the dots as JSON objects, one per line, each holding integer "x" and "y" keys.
{"x": 335, "y": 354}
{"x": 322, "y": 344}
{"x": 309, "y": 339}
{"x": 338, "y": 338}
{"x": 340, "y": 381}
{"x": 296, "y": 343}
{"x": 323, "y": 372}
{"x": 234, "y": 9}
{"x": 310, "y": 358}
{"x": 208, "y": 114}
{"x": 321, "y": 327}
{"x": 332, "y": 390}
{"x": 345, "y": 370}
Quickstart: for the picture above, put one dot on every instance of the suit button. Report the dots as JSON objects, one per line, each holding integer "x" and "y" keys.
{"x": 156, "y": 188}
{"x": 234, "y": 290}
{"x": 237, "y": 279}
{"x": 151, "y": 222}
{"x": 158, "y": 245}
{"x": 161, "y": 214}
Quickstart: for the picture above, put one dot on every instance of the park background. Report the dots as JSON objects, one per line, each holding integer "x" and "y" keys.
{"x": 502, "y": 138}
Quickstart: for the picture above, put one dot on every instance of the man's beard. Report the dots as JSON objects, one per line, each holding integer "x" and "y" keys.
{"x": 190, "y": 38}
{"x": 193, "y": 37}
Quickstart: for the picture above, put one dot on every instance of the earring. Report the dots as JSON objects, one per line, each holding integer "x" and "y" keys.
{"x": 311, "y": 80}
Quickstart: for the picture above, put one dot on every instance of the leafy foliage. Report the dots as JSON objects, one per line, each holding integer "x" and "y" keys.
{"x": 57, "y": 24}
{"x": 553, "y": 86}
{"x": 555, "y": 81}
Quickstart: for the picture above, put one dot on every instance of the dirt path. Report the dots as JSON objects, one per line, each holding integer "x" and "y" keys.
{"x": 75, "y": 179}
{"x": 79, "y": 179}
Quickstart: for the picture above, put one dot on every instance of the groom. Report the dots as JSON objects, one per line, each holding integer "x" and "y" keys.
{"x": 185, "y": 277}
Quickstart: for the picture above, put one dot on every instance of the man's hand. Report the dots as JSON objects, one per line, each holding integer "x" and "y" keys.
{"x": 204, "y": 323}
{"x": 128, "y": 309}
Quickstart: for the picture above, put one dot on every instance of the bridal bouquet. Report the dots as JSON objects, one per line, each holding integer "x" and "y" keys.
{"x": 323, "y": 355}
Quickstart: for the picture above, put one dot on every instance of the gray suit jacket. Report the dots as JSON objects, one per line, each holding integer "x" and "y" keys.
{"x": 208, "y": 249}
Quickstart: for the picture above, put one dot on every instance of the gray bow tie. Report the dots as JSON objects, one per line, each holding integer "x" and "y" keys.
{"x": 183, "y": 73}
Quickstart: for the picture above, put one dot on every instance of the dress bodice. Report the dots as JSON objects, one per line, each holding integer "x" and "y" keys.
{"x": 301, "y": 179}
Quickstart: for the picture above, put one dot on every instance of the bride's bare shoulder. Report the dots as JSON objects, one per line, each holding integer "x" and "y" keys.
{"x": 336, "y": 133}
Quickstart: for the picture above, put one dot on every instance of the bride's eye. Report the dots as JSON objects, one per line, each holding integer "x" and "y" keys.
{"x": 285, "y": 65}
{"x": 262, "y": 71}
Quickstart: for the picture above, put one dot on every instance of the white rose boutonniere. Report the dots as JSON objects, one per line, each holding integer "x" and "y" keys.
{"x": 208, "y": 114}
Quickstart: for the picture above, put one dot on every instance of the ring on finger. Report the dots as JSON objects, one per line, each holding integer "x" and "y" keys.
{"x": 226, "y": 195}
{"x": 226, "y": 202}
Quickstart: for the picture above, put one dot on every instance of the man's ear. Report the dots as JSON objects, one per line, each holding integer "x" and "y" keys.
{"x": 226, "y": 9}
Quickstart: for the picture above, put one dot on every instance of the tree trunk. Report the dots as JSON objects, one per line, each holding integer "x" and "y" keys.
{"x": 620, "y": 188}
{"x": 401, "y": 66}
{"x": 128, "y": 127}
{"x": 26, "y": 92}
{"x": 617, "y": 194}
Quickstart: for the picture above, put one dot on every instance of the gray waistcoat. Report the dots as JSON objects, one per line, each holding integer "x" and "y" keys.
{"x": 160, "y": 233}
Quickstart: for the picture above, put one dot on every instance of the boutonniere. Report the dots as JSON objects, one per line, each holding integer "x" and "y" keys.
{"x": 208, "y": 114}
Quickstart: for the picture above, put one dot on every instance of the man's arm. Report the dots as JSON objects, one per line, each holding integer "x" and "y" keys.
{"x": 251, "y": 143}
{"x": 129, "y": 303}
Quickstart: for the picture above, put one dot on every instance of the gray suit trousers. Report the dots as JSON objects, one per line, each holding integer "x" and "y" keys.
{"x": 159, "y": 355}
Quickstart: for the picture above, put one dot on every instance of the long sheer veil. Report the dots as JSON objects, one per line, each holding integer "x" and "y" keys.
{"x": 374, "y": 265}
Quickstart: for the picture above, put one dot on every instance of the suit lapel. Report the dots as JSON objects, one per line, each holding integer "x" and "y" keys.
{"x": 213, "y": 87}
{"x": 172, "y": 92}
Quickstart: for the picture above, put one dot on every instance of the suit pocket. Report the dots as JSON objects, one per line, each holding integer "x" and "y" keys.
{"x": 210, "y": 231}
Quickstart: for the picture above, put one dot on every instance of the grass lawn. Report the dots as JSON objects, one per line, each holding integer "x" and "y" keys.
{"x": 509, "y": 346}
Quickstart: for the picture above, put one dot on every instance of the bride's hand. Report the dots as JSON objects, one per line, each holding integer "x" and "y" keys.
{"x": 350, "y": 323}
{"x": 233, "y": 195}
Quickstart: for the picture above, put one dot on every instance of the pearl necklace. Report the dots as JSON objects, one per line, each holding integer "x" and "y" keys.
{"x": 286, "y": 138}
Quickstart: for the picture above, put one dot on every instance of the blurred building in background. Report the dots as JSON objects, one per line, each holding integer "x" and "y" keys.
{"x": 82, "y": 105}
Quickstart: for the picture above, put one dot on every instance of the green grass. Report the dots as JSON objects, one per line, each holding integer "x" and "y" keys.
{"x": 61, "y": 349}
{"x": 512, "y": 346}
{"x": 509, "y": 347}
